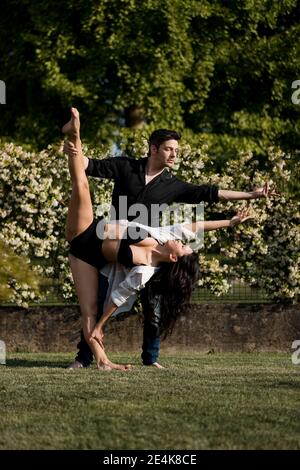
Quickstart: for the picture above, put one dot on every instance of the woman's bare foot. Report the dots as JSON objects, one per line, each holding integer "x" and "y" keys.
{"x": 72, "y": 128}
{"x": 111, "y": 366}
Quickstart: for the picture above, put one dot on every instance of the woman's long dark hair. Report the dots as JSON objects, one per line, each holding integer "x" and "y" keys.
{"x": 175, "y": 283}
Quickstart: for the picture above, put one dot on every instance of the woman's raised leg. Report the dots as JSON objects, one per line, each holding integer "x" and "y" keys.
{"x": 80, "y": 210}
{"x": 80, "y": 216}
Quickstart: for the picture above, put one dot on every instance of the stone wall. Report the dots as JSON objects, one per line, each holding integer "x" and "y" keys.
{"x": 218, "y": 328}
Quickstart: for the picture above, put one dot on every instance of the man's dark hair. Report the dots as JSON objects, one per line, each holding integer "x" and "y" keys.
{"x": 161, "y": 135}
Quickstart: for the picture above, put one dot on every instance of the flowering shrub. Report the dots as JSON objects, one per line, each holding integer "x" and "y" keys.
{"x": 268, "y": 248}
{"x": 264, "y": 252}
{"x": 17, "y": 281}
{"x": 34, "y": 192}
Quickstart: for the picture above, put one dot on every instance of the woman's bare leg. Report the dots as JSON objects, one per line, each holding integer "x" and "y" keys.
{"x": 86, "y": 283}
{"x": 80, "y": 216}
{"x": 80, "y": 211}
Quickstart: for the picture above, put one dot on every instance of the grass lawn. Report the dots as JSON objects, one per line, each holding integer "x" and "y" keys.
{"x": 217, "y": 401}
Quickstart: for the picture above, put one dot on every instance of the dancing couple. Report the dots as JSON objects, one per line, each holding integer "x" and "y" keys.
{"x": 97, "y": 246}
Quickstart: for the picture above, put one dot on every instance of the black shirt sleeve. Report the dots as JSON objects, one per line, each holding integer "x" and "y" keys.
{"x": 110, "y": 168}
{"x": 193, "y": 193}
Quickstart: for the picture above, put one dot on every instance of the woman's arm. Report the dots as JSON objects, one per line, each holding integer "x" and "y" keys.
{"x": 133, "y": 282}
{"x": 97, "y": 333}
{"x": 102, "y": 360}
{"x": 206, "y": 226}
{"x": 210, "y": 225}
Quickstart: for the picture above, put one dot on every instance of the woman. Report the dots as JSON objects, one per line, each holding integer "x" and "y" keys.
{"x": 95, "y": 243}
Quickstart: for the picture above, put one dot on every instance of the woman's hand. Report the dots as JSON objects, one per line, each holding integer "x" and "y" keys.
{"x": 97, "y": 334}
{"x": 240, "y": 217}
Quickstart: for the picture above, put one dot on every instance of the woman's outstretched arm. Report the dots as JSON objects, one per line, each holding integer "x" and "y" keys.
{"x": 205, "y": 226}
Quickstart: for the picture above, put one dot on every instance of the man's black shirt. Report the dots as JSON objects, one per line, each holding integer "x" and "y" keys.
{"x": 129, "y": 177}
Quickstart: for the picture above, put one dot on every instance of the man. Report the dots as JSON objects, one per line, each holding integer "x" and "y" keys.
{"x": 147, "y": 181}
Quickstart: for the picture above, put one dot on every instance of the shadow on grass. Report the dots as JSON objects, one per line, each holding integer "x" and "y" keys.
{"x": 52, "y": 364}
{"x": 37, "y": 363}
{"x": 286, "y": 385}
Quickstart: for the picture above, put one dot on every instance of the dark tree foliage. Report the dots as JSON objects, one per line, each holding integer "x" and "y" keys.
{"x": 223, "y": 68}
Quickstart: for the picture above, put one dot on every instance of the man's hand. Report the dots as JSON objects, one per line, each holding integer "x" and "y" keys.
{"x": 265, "y": 191}
{"x": 69, "y": 149}
{"x": 240, "y": 217}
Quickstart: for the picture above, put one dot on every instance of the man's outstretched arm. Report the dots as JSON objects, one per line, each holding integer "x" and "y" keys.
{"x": 265, "y": 191}
{"x": 193, "y": 194}
{"x": 110, "y": 168}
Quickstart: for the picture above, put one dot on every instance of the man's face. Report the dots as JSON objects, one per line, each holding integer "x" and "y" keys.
{"x": 166, "y": 154}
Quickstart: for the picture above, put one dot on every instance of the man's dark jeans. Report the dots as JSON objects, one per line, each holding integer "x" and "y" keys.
{"x": 151, "y": 340}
